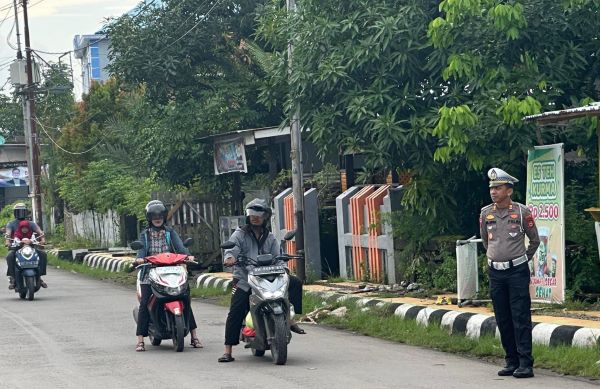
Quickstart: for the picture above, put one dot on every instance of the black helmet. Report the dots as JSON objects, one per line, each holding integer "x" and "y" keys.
{"x": 258, "y": 207}
{"x": 156, "y": 209}
{"x": 20, "y": 211}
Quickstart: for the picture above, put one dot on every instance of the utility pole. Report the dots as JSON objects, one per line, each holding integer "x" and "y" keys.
{"x": 26, "y": 128}
{"x": 33, "y": 140}
{"x": 296, "y": 156}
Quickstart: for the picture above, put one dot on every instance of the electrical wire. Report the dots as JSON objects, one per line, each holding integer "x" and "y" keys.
{"x": 193, "y": 27}
{"x": 63, "y": 149}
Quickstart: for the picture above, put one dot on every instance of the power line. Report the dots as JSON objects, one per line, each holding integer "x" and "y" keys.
{"x": 194, "y": 26}
{"x": 63, "y": 149}
{"x": 93, "y": 42}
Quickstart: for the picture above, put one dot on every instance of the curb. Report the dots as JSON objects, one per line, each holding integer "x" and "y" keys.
{"x": 207, "y": 281}
{"x": 111, "y": 264}
{"x": 470, "y": 324}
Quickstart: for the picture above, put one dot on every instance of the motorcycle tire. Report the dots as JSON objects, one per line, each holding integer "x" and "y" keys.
{"x": 30, "y": 284}
{"x": 279, "y": 342}
{"x": 178, "y": 334}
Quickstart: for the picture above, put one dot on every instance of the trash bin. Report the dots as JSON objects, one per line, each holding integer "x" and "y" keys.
{"x": 467, "y": 269}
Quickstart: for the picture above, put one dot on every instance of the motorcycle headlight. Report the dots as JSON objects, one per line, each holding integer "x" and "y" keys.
{"x": 169, "y": 291}
{"x": 273, "y": 295}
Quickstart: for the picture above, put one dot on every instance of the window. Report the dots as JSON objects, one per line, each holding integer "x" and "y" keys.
{"x": 94, "y": 63}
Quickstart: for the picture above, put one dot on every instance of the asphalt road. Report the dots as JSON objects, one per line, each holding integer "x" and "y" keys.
{"x": 79, "y": 333}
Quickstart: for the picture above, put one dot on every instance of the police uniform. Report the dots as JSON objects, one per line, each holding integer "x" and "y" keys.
{"x": 503, "y": 233}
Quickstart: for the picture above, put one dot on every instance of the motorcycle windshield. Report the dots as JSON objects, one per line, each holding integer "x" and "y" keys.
{"x": 166, "y": 259}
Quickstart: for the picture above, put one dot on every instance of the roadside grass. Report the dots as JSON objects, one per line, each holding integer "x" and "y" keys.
{"x": 215, "y": 295}
{"x": 378, "y": 323}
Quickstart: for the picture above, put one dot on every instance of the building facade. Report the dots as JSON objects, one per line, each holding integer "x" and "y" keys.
{"x": 92, "y": 51}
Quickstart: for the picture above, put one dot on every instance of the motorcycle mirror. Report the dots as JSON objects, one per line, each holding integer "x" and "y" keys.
{"x": 188, "y": 242}
{"x": 228, "y": 245}
{"x": 137, "y": 245}
{"x": 290, "y": 235}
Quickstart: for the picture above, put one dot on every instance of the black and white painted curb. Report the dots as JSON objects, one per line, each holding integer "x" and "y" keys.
{"x": 470, "y": 324}
{"x": 207, "y": 281}
{"x": 111, "y": 264}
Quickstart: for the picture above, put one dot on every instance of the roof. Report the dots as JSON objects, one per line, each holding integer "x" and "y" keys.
{"x": 250, "y": 135}
{"x": 592, "y": 109}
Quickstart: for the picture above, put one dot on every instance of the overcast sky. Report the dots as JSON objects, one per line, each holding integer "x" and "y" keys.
{"x": 53, "y": 24}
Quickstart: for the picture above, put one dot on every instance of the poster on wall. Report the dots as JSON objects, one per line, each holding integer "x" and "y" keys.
{"x": 230, "y": 156}
{"x": 13, "y": 174}
{"x": 545, "y": 199}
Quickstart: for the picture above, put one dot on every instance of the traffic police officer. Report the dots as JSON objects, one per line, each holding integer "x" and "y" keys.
{"x": 503, "y": 226}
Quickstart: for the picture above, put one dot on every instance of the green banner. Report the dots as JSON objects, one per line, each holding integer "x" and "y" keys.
{"x": 545, "y": 199}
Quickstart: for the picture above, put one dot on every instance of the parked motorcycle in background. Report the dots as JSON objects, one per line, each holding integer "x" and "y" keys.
{"x": 267, "y": 324}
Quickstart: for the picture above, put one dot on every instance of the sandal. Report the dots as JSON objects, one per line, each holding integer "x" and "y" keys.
{"x": 226, "y": 358}
{"x": 140, "y": 347}
{"x": 296, "y": 328}
{"x": 195, "y": 343}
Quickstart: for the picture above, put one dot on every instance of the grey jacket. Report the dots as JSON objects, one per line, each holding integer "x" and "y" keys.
{"x": 246, "y": 244}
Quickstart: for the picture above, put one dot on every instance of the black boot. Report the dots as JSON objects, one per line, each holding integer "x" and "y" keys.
{"x": 507, "y": 370}
{"x": 11, "y": 283}
{"x": 523, "y": 372}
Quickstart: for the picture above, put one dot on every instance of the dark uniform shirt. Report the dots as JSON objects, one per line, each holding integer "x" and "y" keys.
{"x": 503, "y": 230}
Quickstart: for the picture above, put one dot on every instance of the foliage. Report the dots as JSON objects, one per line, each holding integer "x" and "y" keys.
{"x": 11, "y": 117}
{"x": 105, "y": 185}
{"x": 198, "y": 79}
{"x": 327, "y": 183}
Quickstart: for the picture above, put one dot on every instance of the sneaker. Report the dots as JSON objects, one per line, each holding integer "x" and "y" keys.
{"x": 11, "y": 283}
{"x": 43, "y": 284}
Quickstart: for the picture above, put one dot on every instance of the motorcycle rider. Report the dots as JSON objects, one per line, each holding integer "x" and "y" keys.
{"x": 158, "y": 238}
{"x": 251, "y": 240}
{"x": 20, "y": 212}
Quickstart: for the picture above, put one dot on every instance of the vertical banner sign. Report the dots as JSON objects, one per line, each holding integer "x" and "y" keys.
{"x": 230, "y": 156}
{"x": 545, "y": 199}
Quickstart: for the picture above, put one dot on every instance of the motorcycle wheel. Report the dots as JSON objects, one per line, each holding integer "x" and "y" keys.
{"x": 30, "y": 284}
{"x": 178, "y": 334}
{"x": 258, "y": 353}
{"x": 279, "y": 342}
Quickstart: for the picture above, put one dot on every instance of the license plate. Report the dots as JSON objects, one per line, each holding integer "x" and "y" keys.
{"x": 28, "y": 264}
{"x": 168, "y": 269}
{"x": 264, "y": 270}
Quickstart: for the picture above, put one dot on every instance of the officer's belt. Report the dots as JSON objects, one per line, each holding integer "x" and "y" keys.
{"x": 507, "y": 264}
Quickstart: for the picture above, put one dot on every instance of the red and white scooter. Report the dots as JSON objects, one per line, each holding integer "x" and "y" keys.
{"x": 168, "y": 306}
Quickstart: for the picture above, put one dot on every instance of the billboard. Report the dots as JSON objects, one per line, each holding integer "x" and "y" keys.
{"x": 230, "y": 156}
{"x": 13, "y": 174}
{"x": 545, "y": 199}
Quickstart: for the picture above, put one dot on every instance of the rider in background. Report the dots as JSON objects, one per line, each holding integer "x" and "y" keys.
{"x": 20, "y": 212}
{"x": 158, "y": 238}
{"x": 251, "y": 240}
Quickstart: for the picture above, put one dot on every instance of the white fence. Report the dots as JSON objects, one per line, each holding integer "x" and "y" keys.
{"x": 101, "y": 228}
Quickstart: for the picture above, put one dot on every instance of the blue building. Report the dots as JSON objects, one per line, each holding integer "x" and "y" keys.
{"x": 92, "y": 51}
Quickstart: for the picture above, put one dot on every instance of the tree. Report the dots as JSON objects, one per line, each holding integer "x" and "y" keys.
{"x": 197, "y": 78}
{"x": 11, "y": 117}
{"x": 407, "y": 84}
